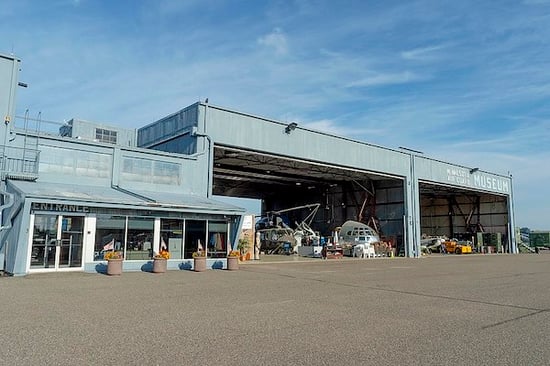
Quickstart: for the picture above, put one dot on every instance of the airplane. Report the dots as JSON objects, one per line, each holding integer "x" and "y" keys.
{"x": 352, "y": 233}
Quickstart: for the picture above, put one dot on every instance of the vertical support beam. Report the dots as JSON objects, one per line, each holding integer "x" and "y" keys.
{"x": 207, "y": 147}
{"x": 450, "y": 213}
{"x": 412, "y": 211}
{"x": 210, "y": 166}
{"x": 512, "y": 220}
{"x": 416, "y": 210}
{"x": 9, "y": 75}
{"x": 116, "y": 166}
{"x": 156, "y": 236}
{"x": 20, "y": 243}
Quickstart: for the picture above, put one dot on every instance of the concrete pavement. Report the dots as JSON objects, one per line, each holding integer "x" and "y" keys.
{"x": 459, "y": 310}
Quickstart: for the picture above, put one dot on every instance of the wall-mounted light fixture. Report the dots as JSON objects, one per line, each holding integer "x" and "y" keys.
{"x": 473, "y": 170}
{"x": 291, "y": 127}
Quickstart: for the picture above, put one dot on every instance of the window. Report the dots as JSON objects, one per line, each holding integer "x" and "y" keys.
{"x": 150, "y": 171}
{"x": 132, "y": 236}
{"x": 171, "y": 237}
{"x": 217, "y": 239}
{"x": 140, "y": 238}
{"x": 103, "y": 135}
{"x": 195, "y": 237}
{"x": 110, "y": 234}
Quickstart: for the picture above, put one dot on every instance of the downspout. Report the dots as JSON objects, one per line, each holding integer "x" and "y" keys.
{"x": 134, "y": 194}
{"x": 5, "y": 206}
{"x": 195, "y": 133}
{"x": 115, "y": 172}
{"x": 4, "y": 228}
{"x": 208, "y": 175}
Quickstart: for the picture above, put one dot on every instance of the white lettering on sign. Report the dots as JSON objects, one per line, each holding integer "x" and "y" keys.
{"x": 483, "y": 181}
{"x": 459, "y": 176}
{"x": 59, "y": 207}
{"x": 477, "y": 180}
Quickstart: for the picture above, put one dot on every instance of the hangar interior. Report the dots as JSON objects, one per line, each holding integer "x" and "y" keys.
{"x": 283, "y": 182}
{"x": 463, "y": 214}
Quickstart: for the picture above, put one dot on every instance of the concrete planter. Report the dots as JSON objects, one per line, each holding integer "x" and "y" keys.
{"x": 232, "y": 263}
{"x": 199, "y": 264}
{"x": 159, "y": 265}
{"x": 114, "y": 267}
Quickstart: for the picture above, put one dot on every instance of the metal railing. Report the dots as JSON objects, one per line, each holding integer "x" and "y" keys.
{"x": 19, "y": 163}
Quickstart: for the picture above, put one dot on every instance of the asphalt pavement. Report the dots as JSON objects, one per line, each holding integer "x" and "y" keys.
{"x": 437, "y": 310}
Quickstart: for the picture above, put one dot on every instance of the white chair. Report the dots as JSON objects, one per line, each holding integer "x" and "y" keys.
{"x": 363, "y": 251}
{"x": 369, "y": 251}
{"x": 358, "y": 251}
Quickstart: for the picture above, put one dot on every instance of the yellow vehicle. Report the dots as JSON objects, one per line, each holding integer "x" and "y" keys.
{"x": 452, "y": 246}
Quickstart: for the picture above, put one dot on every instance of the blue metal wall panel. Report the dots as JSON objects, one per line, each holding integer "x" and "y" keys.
{"x": 254, "y": 133}
{"x": 168, "y": 127}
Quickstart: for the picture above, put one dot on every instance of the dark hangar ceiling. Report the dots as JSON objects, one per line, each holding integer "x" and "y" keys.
{"x": 242, "y": 173}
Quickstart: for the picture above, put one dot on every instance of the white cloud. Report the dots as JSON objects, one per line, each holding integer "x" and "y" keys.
{"x": 275, "y": 40}
{"x": 423, "y": 53}
{"x": 382, "y": 79}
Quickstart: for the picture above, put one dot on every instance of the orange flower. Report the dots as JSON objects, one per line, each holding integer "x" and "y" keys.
{"x": 163, "y": 254}
{"x": 112, "y": 255}
{"x": 200, "y": 253}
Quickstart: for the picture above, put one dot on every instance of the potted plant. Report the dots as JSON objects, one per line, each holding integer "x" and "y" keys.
{"x": 199, "y": 261}
{"x": 114, "y": 263}
{"x": 242, "y": 247}
{"x": 160, "y": 261}
{"x": 233, "y": 260}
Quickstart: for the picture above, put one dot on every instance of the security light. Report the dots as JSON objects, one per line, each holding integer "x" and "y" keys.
{"x": 291, "y": 127}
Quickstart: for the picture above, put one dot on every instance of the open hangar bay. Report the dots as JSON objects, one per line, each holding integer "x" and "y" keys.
{"x": 350, "y": 193}
{"x": 402, "y": 194}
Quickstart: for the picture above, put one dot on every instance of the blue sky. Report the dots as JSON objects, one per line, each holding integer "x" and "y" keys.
{"x": 463, "y": 81}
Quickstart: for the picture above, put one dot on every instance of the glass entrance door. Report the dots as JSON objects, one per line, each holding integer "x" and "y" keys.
{"x": 70, "y": 245}
{"x": 44, "y": 241}
{"x": 57, "y": 242}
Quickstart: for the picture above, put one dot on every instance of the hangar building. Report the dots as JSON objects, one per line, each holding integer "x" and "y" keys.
{"x": 71, "y": 190}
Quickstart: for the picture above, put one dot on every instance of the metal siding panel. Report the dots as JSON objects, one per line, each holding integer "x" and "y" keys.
{"x": 234, "y": 129}
{"x": 460, "y": 176}
{"x": 168, "y": 126}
